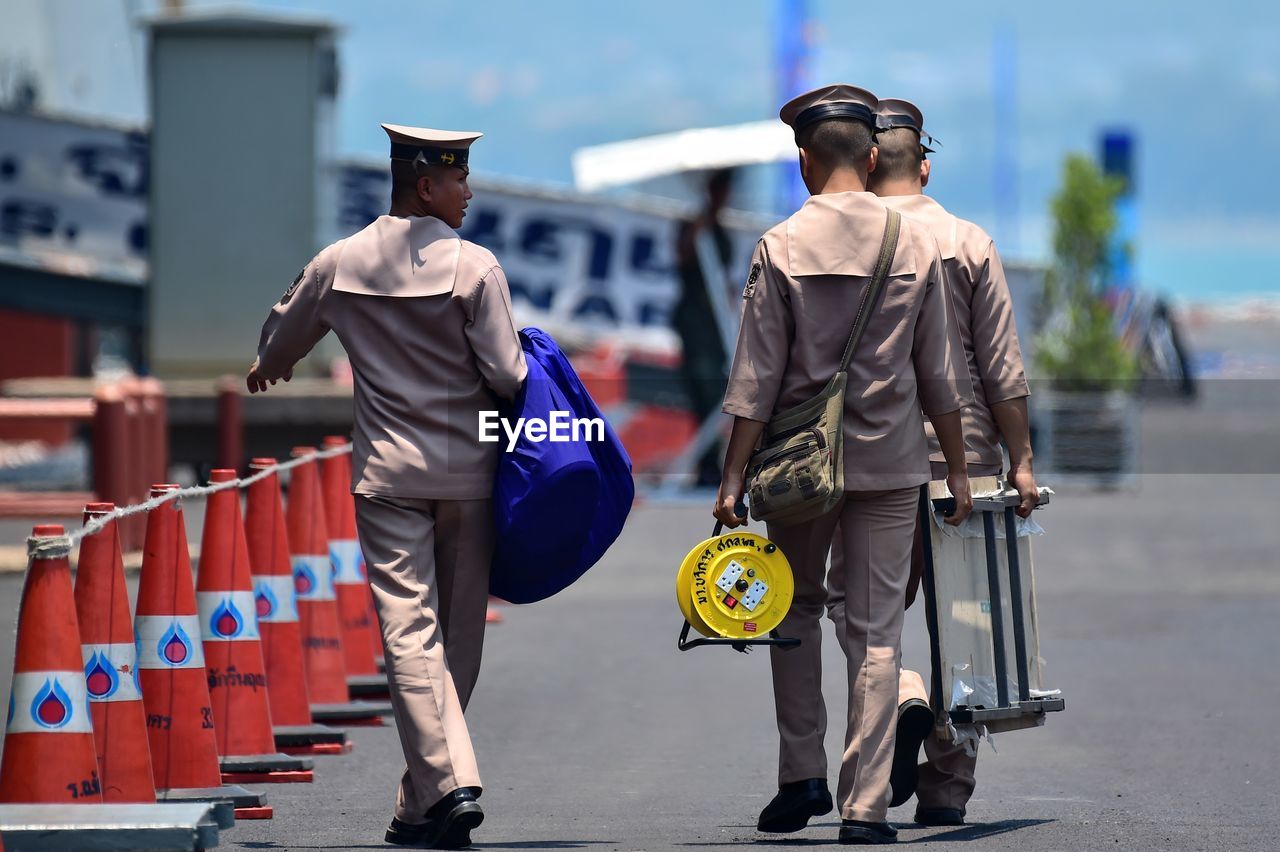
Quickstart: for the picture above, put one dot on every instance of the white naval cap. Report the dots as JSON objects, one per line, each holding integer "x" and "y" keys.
{"x": 430, "y": 146}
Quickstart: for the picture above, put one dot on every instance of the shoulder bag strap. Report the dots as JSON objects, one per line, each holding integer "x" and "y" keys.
{"x": 888, "y": 248}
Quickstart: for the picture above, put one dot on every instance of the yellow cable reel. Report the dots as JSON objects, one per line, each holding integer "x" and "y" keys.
{"x": 684, "y": 587}
{"x": 735, "y": 586}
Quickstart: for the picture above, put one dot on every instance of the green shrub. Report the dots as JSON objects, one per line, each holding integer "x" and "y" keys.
{"x": 1077, "y": 348}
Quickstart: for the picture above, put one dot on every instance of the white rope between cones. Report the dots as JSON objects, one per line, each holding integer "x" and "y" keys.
{"x": 59, "y": 546}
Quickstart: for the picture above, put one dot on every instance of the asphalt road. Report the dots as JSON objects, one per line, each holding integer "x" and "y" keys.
{"x": 1160, "y": 616}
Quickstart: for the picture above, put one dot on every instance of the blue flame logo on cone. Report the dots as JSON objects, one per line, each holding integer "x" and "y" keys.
{"x": 226, "y": 620}
{"x": 303, "y": 580}
{"x": 264, "y": 601}
{"x": 174, "y": 647}
{"x": 100, "y": 677}
{"x": 51, "y": 708}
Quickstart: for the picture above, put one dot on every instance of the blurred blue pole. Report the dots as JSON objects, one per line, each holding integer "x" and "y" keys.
{"x": 1118, "y": 155}
{"x": 791, "y": 57}
{"x": 1004, "y": 86}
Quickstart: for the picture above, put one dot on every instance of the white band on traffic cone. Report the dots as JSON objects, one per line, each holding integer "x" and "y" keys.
{"x": 275, "y": 600}
{"x": 111, "y": 672}
{"x": 49, "y": 702}
{"x": 227, "y": 616}
{"x": 348, "y": 564}
{"x": 169, "y": 642}
{"x": 313, "y": 578}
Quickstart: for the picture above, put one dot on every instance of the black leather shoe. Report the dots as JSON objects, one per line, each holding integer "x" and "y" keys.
{"x": 448, "y": 826}
{"x": 856, "y": 832}
{"x": 795, "y": 803}
{"x": 940, "y": 816}
{"x": 915, "y": 720}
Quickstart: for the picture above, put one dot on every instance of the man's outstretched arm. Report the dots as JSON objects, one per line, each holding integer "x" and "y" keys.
{"x": 292, "y": 328}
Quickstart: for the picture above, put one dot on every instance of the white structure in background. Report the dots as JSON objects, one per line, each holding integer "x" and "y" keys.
{"x": 634, "y": 160}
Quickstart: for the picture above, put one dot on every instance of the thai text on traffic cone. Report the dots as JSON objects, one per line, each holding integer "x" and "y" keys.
{"x": 111, "y": 666}
{"x": 237, "y": 677}
{"x": 49, "y": 754}
{"x": 322, "y": 654}
{"x": 275, "y": 600}
{"x": 355, "y": 604}
{"x": 184, "y": 752}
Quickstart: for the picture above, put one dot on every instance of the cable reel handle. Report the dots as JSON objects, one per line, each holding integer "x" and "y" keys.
{"x": 740, "y": 509}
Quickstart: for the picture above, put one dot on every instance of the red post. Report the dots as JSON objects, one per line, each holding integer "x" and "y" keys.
{"x": 230, "y": 425}
{"x": 155, "y": 408}
{"x": 133, "y": 529}
{"x": 112, "y": 462}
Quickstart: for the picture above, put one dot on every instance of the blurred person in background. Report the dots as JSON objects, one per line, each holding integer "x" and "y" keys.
{"x": 984, "y": 316}
{"x": 704, "y": 251}
{"x": 799, "y": 305}
{"x": 425, "y": 318}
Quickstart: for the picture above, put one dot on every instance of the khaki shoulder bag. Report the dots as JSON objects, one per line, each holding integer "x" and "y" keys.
{"x": 797, "y": 474}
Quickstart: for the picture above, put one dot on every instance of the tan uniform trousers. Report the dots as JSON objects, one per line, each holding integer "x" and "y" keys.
{"x": 428, "y": 564}
{"x": 946, "y": 778}
{"x": 876, "y": 529}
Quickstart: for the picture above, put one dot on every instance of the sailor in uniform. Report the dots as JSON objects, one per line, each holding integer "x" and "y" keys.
{"x": 426, "y": 320}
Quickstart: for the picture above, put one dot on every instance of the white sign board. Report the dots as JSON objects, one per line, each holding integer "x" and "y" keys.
{"x": 73, "y": 195}
{"x": 571, "y": 259}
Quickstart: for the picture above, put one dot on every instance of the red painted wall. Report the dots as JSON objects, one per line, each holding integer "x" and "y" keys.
{"x": 35, "y": 345}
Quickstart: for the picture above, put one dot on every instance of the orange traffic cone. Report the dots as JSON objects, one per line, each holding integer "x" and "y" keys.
{"x": 322, "y": 655}
{"x": 111, "y": 666}
{"x": 180, "y": 726}
{"x": 48, "y": 747}
{"x": 232, "y": 650}
{"x": 276, "y": 605}
{"x": 350, "y": 584}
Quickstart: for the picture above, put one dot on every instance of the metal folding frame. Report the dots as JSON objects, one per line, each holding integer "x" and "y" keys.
{"x": 1025, "y": 706}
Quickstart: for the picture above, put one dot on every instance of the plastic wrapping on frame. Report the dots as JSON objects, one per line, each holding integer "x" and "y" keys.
{"x": 964, "y": 625}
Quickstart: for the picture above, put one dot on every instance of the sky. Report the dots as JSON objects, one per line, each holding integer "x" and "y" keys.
{"x": 1198, "y": 84}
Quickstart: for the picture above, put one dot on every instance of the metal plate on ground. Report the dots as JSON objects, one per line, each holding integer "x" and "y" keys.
{"x": 264, "y": 763}
{"x": 188, "y": 826}
{"x": 350, "y": 712}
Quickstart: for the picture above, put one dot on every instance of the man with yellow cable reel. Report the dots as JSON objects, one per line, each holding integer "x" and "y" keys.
{"x": 799, "y": 304}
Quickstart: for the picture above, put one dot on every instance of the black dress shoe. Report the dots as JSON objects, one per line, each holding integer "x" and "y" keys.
{"x": 915, "y": 720}
{"x": 448, "y": 826}
{"x": 940, "y": 816}
{"x": 795, "y": 803}
{"x": 857, "y": 832}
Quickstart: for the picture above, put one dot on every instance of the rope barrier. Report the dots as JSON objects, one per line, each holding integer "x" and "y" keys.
{"x": 59, "y": 546}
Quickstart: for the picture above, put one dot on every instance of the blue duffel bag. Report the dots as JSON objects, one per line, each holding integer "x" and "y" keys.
{"x": 558, "y": 506}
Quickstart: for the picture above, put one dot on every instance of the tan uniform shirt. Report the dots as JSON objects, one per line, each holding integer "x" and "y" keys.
{"x": 807, "y": 278}
{"x": 984, "y": 315}
{"x": 425, "y": 318}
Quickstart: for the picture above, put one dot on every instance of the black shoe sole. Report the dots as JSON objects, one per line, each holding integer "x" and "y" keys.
{"x": 404, "y": 838}
{"x": 458, "y": 826}
{"x": 799, "y": 818}
{"x": 453, "y": 833}
{"x": 915, "y": 720}
{"x": 858, "y": 836}
{"x": 940, "y": 816}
